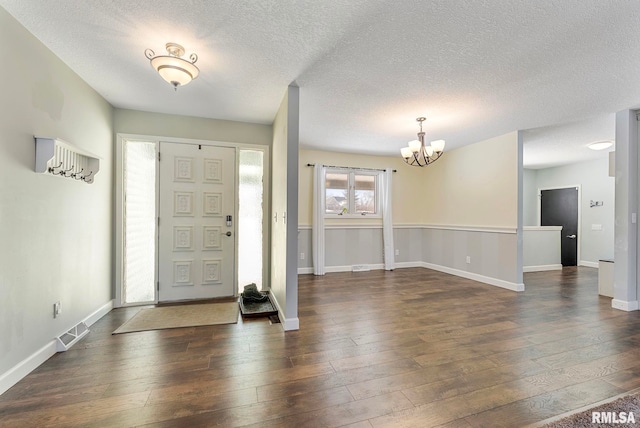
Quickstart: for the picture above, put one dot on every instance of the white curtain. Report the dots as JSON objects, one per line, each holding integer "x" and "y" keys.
{"x": 317, "y": 229}
{"x": 387, "y": 221}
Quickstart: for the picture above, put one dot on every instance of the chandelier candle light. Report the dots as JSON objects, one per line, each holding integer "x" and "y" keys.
{"x": 172, "y": 68}
{"x": 419, "y": 154}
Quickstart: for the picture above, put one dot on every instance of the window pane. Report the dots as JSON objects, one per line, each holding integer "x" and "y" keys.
{"x": 140, "y": 222}
{"x": 250, "y": 233}
{"x": 337, "y": 192}
{"x": 365, "y": 194}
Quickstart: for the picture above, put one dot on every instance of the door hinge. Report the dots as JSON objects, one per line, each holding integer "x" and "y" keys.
{"x": 199, "y": 146}
{"x": 158, "y": 156}
{"x": 158, "y": 221}
{"x": 158, "y": 285}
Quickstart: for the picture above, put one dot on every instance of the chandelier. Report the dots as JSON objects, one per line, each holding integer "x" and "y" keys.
{"x": 419, "y": 154}
{"x": 171, "y": 67}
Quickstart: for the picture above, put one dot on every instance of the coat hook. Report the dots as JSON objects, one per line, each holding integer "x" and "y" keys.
{"x": 53, "y": 168}
{"x": 78, "y": 175}
{"x": 87, "y": 176}
{"x": 64, "y": 172}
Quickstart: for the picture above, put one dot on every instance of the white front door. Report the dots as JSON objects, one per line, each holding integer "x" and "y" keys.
{"x": 197, "y": 222}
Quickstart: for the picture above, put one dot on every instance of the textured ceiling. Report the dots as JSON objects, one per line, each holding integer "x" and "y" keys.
{"x": 366, "y": 69}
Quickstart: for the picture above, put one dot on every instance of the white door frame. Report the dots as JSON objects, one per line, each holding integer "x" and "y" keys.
{"x": 574, "y": 186}
{"x": 119, "y": 204}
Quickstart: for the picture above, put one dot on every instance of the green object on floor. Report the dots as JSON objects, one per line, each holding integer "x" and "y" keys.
{"x": 251, "y": 294}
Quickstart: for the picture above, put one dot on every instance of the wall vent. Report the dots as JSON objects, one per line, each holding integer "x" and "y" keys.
{"x": 360, "y": 268}
{"x": 68, "y": 339}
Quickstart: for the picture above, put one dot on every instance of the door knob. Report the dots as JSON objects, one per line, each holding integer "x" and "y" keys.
{"x": 228, "y": 233}
{"x": 571, "y": 236}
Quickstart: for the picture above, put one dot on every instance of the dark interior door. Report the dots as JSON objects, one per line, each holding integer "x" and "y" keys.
{"x": 559, "y": 207}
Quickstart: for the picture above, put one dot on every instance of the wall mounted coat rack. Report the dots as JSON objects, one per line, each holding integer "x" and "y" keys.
{"x": 63, "y": 159}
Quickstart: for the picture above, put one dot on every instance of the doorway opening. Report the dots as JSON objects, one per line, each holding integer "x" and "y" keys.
{"x": 194, "y": 223}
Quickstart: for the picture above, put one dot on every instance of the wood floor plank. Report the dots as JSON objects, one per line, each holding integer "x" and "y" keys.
{"x": 533, "y": 409}
{"x": 424, "y": 349}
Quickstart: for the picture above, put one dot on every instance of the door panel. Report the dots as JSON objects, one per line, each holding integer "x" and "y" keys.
{"x": 196, "y": 246}
{"x": 559, "y": 207}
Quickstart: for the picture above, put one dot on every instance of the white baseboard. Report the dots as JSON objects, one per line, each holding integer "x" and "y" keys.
{"x": 349, "y": 268}
{"x": 588, "y": 264}
{"x": 26, "y": 366}
{"x": 402, "y": 265}
{"x": 290, "y": 324}
{"x": 33, "y": 361}
{"x": 476, "y": 277}
{"x": 469, "y": 275}
{"x": 99, "y": 313}
{"x": 623, "y": 305}
{"x": 541, "y": 268}
{"x": 287, "y": 324}
{"x": 398, "y": 265}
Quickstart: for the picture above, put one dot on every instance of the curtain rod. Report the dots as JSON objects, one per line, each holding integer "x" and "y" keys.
{"x": 351, "y": 167}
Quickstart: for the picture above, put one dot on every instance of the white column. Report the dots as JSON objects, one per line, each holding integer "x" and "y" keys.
{"x": 625, "y": 293}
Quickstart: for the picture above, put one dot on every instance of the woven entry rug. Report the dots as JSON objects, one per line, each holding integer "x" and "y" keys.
{"x": 612, "y": 414}
{"x": 181, "y": 316}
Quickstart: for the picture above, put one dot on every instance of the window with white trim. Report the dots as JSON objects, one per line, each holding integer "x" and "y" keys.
{"x": 352, "y": 193}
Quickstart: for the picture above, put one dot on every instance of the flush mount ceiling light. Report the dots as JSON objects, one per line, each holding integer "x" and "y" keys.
{"x": 600, "y": 145}
{"x": 419, "y": 154}
{"x": 172, "y": 68}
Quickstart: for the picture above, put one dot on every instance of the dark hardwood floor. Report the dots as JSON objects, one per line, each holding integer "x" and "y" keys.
{"x": 413, "y": 347}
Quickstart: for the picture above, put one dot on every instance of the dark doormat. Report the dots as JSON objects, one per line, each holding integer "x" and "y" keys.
{"x": 257, "y": 309}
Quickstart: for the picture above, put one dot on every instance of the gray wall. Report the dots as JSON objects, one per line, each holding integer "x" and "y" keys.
{"x": 56, "y": 232}
{"x": 595, "y": 184}
{"x": 491, "y": 253}
{"x": 541, "y": 250}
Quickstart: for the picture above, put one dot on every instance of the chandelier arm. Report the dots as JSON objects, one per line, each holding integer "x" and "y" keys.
{"x": 415, "y": 156}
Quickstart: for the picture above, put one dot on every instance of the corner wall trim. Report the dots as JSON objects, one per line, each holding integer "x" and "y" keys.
{"x": 287, "y": 324}
{"x": 623, "y": 305}
{"x": 476, "y": 277}
{"x": 29, "y": 364}
{"x": 588, "y": 264}
{"x": 541, "y": 268}
{"x": 305, "y": 270}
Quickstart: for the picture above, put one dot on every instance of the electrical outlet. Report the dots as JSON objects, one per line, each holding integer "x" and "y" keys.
{"x": 468, "y": 259}
{"x": 397, "y": 252}
{"x": 301, "y": 256}
{"x": 56, "y": 309}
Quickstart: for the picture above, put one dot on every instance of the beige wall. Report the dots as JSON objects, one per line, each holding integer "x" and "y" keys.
{"x": 475, "y": 185}
{"x": 407, "y": 203}
{"x": 56, "y": 232}
{"x": 168, "y": 125}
